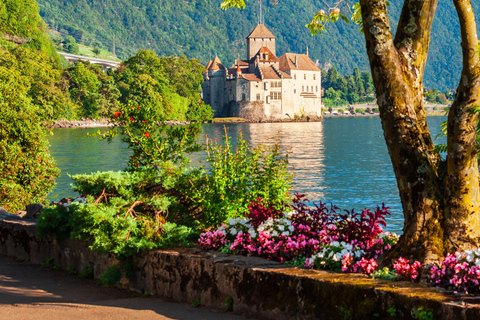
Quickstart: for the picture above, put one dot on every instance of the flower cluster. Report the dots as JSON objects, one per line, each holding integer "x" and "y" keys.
{"x": 405, "y": 270}
{"x": 459, "y": 271}
{"x": 313, "y": 235}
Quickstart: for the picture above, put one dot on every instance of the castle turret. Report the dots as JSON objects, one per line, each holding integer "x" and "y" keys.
{"x": 258, "y": 38}
{"x": 217, "y": 75}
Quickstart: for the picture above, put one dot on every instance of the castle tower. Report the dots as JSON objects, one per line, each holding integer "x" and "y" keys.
{"x": 260, "y": 37}
{"x": 217, "y": 79}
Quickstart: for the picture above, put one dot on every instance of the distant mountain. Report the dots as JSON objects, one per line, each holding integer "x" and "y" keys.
{"x": 200, "y": 29}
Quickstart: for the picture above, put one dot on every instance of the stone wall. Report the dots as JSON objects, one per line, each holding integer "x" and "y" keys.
{"x": 259, "y": 288}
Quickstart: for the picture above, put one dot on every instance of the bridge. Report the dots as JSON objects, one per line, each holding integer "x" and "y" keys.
{"x": 106, "y": 64}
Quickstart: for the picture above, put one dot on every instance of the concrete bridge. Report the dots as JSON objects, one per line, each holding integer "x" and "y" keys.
{"x": 106, "y": 64}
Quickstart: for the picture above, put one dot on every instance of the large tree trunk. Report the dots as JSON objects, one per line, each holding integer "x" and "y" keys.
{"x": 439, "y": 202}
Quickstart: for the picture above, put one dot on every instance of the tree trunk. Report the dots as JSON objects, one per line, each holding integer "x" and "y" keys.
{"x": 439, "y": 201}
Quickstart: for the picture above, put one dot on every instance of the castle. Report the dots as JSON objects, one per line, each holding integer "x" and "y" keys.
{"x": 264, "y": 87}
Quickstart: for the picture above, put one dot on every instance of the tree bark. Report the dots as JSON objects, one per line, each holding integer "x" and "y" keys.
{"x": 437, "y": 211}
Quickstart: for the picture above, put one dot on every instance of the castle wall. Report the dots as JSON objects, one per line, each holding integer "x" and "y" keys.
{"x": 307, "y": 87}
{"x": 217, "y": 91}
{"x": 254, "y": 44}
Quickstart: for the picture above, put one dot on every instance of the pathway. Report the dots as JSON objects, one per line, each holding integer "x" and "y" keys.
{"x": 35, "y": 292}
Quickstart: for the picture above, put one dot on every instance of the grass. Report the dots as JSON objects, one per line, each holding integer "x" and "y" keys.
{"x": 104, "y": 54}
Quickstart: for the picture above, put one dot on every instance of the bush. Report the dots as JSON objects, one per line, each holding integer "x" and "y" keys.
{"x": 27, "y": 171}
{"x": 375, "y": 110}
{"x": 236, "y": 178}
{"x": 341, "y": 111}
{"x": 359, "y": 110}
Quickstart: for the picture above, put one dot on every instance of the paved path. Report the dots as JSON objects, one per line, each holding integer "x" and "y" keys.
{"x": 35, "y": 292}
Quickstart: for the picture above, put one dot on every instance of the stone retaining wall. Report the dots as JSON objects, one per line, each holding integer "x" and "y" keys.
{"x": 259, "y": 288}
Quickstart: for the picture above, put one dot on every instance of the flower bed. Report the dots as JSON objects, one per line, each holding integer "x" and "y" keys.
{"x": 324, "y": 237}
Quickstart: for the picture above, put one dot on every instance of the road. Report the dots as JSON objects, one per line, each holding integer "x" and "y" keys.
{"x": 35, "y": 292}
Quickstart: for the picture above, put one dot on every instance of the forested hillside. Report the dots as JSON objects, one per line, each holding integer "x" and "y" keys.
{"x": 200, "y": 29}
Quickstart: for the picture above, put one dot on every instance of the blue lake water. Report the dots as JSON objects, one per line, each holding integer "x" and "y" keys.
{"x": 343, "y": 161}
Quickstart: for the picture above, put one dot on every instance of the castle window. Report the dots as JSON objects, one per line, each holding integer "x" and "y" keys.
{"x": 243, "y": 96}
{"x": 312, "y": 88}
{"x": 294, "y": 90}
{"x": 307, "y": 88}
{"x": 303, "y": 88}
{"x": 294, "y": 76}
{"x": 274, "y": 95}
{"x": 313, "y": 77}
{"x": 304, "y": 77}
{"x": 258, "y": 96}
{"x": 316, "y": 88}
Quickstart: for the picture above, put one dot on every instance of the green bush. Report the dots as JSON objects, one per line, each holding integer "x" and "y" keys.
{"x": 359, "y": 110}
{"x": 27, "y": 171}
{"x": 239, "y": 175}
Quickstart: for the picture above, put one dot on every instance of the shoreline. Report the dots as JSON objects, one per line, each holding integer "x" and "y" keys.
{"x": 103, "y": 123}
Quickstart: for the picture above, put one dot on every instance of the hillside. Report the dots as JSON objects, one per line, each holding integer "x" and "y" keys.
{"x": 200, "y": 29}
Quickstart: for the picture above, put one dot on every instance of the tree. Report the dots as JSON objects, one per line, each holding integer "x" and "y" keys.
{"x": 440, "y": 198}
{"x": 27, "y": 171}
{"x": 96, "y": 51}
{"x": 71, "y": 45}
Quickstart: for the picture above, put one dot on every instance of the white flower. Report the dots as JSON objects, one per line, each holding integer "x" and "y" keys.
{"x": 331, "y": 254}
{"x": 231, "y": 221}
{"x": 469, "y": 255}
{"x": 348, "y": 246}
{"x": 336, "y": 257}
{"x": 274, "y": 233}
{"x": 233, "y": 231}
{"x": 285, "y": 233}
{"x": 291, "y": 228}
{"x": 281, "y": 228}
{"x": 358, "y": 254}
{"x": 477, "y": 262}
{"x": 344, "y": 252}
{"x": 334, "y": 243}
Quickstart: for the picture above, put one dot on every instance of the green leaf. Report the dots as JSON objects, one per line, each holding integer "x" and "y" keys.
{"x": 344, "y": 18}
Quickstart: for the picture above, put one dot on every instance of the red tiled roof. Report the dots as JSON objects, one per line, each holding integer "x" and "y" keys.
{"x": 234, "y": 70}
{"x": 216, "y": 64}
{"x": 271, "y": 73}
{"x": 265, "y": 51}
{"x": 250, "y": 77}
{"x": 287, "y": 62}
{"x": 261, "y": 31}
{"x": 241, "y": 63}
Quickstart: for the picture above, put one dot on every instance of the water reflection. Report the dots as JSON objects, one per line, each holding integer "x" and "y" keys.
{"x": 343, "y": 161}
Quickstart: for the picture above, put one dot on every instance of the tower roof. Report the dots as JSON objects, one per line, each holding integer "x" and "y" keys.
{"x": 261, "y": 31}
{"x": 208, "y": 65}
{"x": 264, "y": 55}
{"x": 216, "y": 64}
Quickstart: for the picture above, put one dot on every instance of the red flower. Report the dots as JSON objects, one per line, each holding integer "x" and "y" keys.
{"x": 131, "y": 119}
{"x": 136, "y": 164}
{"x": 144, "y": 121}
{"x": 117, "y": 113}
{"x": 146, "y": 134}
{"x": 138, "y": 107}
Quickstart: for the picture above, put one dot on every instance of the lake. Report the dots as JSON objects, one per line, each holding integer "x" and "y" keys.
{"x": 343, "y": 161}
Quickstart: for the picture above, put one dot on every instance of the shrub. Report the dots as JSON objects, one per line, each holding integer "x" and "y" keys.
{"x": 375, "y": 110}
{"x": 27, "y": 171}
{"x": 359, "y": 110}
{"x": 341, "y": 111}
{"x": 236, "y": 178}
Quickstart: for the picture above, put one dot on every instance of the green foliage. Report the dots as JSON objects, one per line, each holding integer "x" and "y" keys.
{"x": 340, "y": 91}
{"x": 392, "y": 311}
{"x": 93, "y": 92}
{"x": 168, "y": 85}
{"x": 41, "y": 77}
{"x": 21, "y": 18}
{"x": 87, "y": 273}
{"x": 195, "y": 303}
{"x": 111, "y": 276}
{"x": 49, "y": 263}
{"x": 238, "y": 176}
{"x": 27, "y": 171}
{"x": 423, "y": 314}
{"x": 175, "y": 236}
{"x": 359, "y": 110}
{"x": 71, "y": 46}
{"x": 228, "y": 304}
{"x": 385, "y": 274}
